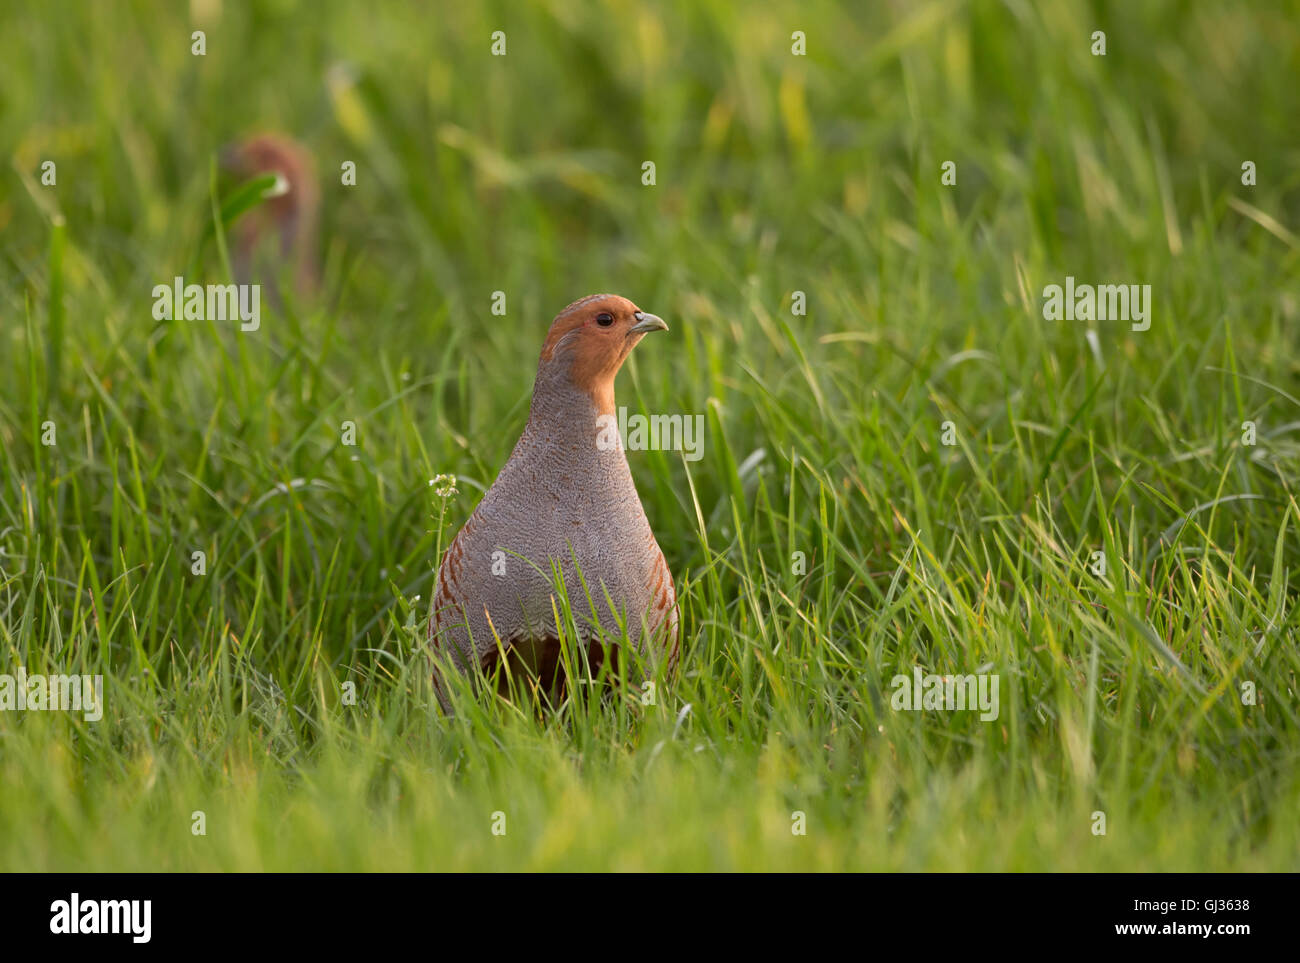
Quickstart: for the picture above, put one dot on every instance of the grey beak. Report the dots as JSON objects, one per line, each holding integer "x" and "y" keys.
{"x": 646, "y": 323}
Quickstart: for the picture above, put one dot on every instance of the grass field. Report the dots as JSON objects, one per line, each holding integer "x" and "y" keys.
{"x": 1161, "y": 694}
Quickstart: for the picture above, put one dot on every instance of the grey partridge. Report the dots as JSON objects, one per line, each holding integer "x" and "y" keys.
{"x": 564, "y": 500}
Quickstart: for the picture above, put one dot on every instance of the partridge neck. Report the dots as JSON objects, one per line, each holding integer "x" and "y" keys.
{"x": 557, "y": 401}
{"x": 565, "y": 425}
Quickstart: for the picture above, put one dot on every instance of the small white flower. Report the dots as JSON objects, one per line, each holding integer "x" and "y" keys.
{"x": 444, "y": 486}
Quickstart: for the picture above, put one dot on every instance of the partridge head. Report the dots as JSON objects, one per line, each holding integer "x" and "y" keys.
{"x": 564, "y": 504}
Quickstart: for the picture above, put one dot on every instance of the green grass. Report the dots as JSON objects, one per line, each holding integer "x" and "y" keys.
{"x": 775, "y": 174}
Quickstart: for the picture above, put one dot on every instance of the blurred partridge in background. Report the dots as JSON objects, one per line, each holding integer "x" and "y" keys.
{"x": 282, "y": 229}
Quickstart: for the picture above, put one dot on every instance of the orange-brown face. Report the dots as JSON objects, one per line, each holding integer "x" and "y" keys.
{"x": 594, "y": 336}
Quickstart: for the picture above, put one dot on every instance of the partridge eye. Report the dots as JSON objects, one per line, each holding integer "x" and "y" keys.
{"x": 604, "y": 319}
